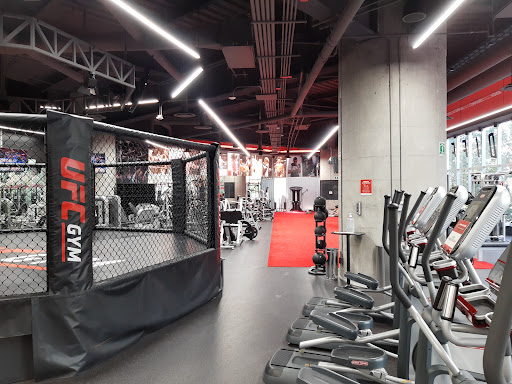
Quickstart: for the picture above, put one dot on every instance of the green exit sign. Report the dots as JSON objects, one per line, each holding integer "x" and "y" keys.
{"x": 335, "y": 177}
{"x": 442, "y": 148}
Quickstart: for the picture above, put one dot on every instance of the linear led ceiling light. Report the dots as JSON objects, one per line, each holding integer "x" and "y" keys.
{"x": 148, "y": 23}
{"x": 101, "y": 106}
{"x": 185, "y": 83}
{"x": 21, "y": 130}
{"x": 221, "y": 124}
{"x": 440, "y": 20}
{"x": 332, "y": 132}
{"x": 479, "y": 118}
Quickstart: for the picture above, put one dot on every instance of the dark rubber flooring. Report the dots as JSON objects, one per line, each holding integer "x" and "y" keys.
{"x": 230, "y": 339}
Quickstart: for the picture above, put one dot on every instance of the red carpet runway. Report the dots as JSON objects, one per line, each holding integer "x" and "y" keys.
{"x": 293, "y": 239}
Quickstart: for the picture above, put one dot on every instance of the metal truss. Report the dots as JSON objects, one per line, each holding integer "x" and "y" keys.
{"x": 28, "y": 33}
{"x": 89, "y": 105}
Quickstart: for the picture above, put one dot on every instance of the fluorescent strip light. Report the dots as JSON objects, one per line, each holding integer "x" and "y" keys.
{"x": 479, "y": 118}
{"x": 21, "y": 130}
{"x": 222, "y": 125}
{"x": 185, "y": 83}
{"x": 332, "y": 132}
{"x": 148, "y": 101}
{"x": 438, "y": 22}
{"x": 144, "y": 20}
{"x": 156, "y": 144}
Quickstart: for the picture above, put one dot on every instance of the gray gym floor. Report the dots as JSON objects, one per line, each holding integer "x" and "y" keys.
{"x": 230, "y": 339}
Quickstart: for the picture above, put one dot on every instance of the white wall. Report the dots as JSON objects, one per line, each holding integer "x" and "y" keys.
{"x": 311, "y": 189}
{"x": 280, "y": 192}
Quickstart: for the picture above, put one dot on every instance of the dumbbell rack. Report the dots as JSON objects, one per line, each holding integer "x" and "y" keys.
{"x": 320, "y": 244}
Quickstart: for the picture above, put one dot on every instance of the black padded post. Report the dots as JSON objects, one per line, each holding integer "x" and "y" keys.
{"x": 213, "y": 198}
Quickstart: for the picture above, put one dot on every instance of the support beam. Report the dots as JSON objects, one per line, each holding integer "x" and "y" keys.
{"x": 3, "y": 75}
{"x": 332, "y": 41}
{"x": 26, "y": 31}
{"x": 64, "y": 69}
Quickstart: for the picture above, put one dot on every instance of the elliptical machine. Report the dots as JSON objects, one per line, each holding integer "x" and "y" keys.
{"x": 320, "y": 258}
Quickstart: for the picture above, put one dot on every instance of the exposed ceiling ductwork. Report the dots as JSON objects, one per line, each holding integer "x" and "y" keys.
{"x": 332, "y": 41}
{"x": 493, "y": 52}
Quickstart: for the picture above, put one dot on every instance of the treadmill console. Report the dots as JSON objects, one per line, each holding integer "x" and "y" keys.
{"x": 481, "y": 217}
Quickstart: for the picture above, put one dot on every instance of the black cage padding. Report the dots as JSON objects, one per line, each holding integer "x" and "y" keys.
{"x": 70, "y": 198}
{"x": 73, "y": 332}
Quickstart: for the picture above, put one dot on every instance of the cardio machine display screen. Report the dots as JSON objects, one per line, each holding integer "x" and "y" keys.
{"x": 478, "y": 204}
{"x": 464, "y": 226}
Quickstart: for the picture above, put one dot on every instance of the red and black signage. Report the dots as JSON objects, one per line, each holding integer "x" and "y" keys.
{"x": 70, "y": 190}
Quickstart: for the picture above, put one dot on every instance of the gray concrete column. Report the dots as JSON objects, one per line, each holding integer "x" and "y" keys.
{"x": 393, "y": 116}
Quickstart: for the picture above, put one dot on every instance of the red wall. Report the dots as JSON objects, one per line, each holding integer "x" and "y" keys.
{"x": 484, "y": 101}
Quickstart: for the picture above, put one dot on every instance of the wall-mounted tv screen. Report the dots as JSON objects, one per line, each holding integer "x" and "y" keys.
{"x": 14, "y": 157}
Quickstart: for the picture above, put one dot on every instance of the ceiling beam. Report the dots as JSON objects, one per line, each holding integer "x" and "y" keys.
{"x": 332, "y": 41}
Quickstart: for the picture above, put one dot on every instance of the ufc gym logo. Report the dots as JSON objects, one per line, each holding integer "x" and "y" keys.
{"x": 73, "y": 180}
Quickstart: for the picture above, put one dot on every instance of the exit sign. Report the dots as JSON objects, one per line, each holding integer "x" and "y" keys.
{"x": 442, "y": 148}
{"x": 335, "y": 177}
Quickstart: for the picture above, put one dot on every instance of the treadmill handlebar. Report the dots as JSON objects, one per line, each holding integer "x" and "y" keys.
{"x": 393, "y": 254}
{"x": 402, "y": 225}
{"x": 425, "y": 259}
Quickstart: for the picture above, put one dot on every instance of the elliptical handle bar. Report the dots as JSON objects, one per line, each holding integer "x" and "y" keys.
{"x": 393, "y": 254}
{"x": 397, "y": 198}
{"x": 402, "y": 225}
{"x": 413, "y": 210}
{"x": 385, "y": 242}
{"x": 436, "y": 232}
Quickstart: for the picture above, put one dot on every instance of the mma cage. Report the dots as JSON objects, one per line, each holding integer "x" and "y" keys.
{"x": 106, "y": 233}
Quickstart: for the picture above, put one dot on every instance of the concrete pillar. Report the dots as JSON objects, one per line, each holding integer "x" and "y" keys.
{"x": 393, "y": 117}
